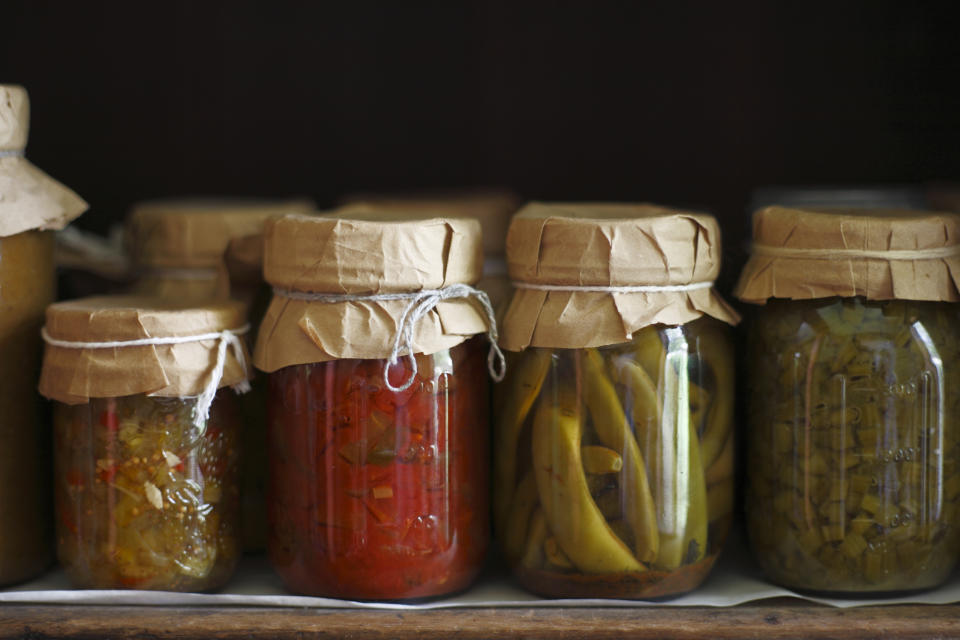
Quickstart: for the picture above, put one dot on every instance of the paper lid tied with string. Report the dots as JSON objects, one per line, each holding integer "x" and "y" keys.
{"x": 879, "y": 254}
{"x": 589, "y": 275}
{"x": 194, "y": 233}
{"x": 29, "y": 198}
{"x": 491, "y": 206}
{"x": 373, "y": 285}
{"x": 113, "y": 346}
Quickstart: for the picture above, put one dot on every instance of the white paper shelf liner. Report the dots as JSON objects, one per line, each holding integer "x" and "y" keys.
{"x": 736, "y": 580}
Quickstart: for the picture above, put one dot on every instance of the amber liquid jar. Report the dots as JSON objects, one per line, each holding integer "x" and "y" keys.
{"x": 26, "y": 288}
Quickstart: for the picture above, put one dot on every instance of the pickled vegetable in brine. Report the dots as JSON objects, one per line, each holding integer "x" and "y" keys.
{"x": 853, "y": 476}
{"x": 143, "y": 499}
{"x": 614, "y": 466}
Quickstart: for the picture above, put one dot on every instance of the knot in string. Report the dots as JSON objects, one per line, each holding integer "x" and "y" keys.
{"x": 420, "y": 304}
{"x": 227, "y": 339}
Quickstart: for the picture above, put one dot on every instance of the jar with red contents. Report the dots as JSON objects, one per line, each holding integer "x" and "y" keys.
{"x": 378, "y": 485}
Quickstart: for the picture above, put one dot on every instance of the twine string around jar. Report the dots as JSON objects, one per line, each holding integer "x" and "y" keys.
{"x": 932, "y": 253}
{"x": 589, "y": 288}
{"x": 419, "y": 304}
{"x": 227, "y": 339}
{"x": 12, "y": 153}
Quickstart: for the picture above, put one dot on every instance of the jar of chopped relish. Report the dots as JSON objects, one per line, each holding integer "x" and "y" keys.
{"x": 377, "y": 405}
{"x": 614, "y": 435}
{"x": 146, "y": 447}
{"x": 31, "y": 203}
{"x": 853, "y": 477}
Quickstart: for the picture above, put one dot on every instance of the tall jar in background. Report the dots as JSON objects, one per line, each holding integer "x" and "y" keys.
{"x": 492, "y": 207}
{"x": 146, "y": 440}
{"x": 31, "y": 204}
{"x": 614, "y": 444}
{"x": 378, "y": 472}
{"x": 203, "y": 250}
{"x": 177, "y": 246}
{"x": 853, "y": 477}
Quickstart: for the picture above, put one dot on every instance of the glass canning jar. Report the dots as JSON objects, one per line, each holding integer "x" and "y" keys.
{"x": 32, "y": 206}
{"x": 26, "y": 288}
{"x": 853, "y": 479}
{"x": 614, "y": 465}
{"x": 379, "y": 494}
{"x": 146, "y": 453}
{"x": 144, "y": 499}
{"x": 206, "y": 249}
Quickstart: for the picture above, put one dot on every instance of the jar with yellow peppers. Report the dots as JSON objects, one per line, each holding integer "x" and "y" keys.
{"x": 613, "y": 451}
{"x": 31, "y": 204}
{"x": 146, "y": 447}
{"x": 853, "y": 480}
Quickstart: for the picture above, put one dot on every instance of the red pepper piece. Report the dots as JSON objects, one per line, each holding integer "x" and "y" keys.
{"x": 132, "y": 582}
{"x": 66, "y": 518}
{"x": 109, "y": 420}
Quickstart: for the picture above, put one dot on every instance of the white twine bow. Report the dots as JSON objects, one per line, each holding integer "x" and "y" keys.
{"x": 420, "y": 304}
{"x": 11, "y": 153}
{"x": 225, "y": 339}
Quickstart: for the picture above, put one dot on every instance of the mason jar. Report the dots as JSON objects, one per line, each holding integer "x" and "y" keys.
{"x": 614, "y": 444}
{"x": 26, "y": 288}
{"x": 207, "y": 249}
{"x": 32, "y": 206}
{"x": 853, "y": 480}
{"x": 853, "y": 448}
{"x": 378, "y": 404}
{"x": 146, "y": 440}
{"x": 144, "y": 501}
{"x": 623, "y": 457}
{"x": 377, "y": 494}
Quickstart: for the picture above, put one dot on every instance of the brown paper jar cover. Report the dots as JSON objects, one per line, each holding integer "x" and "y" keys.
{"x": 587, "y": 244}
{"x": 492, "y": 207}
{"x": 370, "y": 252}
{"x": 73, "y": 375}
{"x": 193, "y": 234}
{"x": 244, "y": 258}
{"x": 29, "y": 198}
{"x": 909, "y": 255}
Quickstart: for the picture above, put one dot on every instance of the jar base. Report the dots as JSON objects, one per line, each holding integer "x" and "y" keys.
{"x": 884, "y": 594}
{"x": 322, "y": 593}
{"x": 653, "y": 586}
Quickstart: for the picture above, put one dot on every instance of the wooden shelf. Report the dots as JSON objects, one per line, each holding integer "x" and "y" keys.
{"x": 780, "y": 618}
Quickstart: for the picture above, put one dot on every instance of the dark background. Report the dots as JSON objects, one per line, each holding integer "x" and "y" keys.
{"x": 685, "y": 103}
